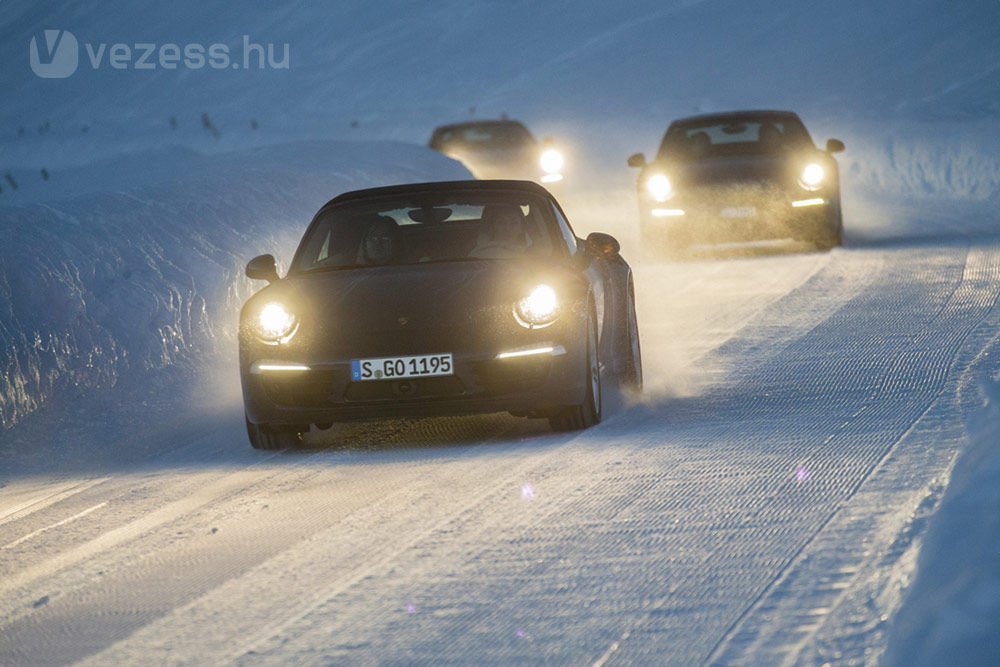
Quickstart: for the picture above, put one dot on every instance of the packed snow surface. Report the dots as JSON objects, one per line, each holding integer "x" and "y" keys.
{"x": 809, "y": 477}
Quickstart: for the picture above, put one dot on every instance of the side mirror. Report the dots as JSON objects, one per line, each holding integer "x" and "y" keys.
{"x": 263, "y": 267}
{"x": 834, "y": 146}
{"x": 637, "y": 160}
{"x": 603, "y": 244}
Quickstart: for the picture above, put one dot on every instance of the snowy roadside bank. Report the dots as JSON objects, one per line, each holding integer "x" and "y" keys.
{"x": 107, "y": 286}
{"x": 951, "y": 613}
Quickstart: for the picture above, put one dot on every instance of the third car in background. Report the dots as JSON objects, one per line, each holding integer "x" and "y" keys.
{"x": 736, "y": 177}
{"x": 501, "y": 149}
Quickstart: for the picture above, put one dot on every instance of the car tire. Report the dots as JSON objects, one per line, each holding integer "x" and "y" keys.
{"x": 267, "y": 437}
{"x": 631, "y": 377}
{"x": 834, "y": 235}
{"x": 828, "y": 240}
{"x": 588, "y": 413}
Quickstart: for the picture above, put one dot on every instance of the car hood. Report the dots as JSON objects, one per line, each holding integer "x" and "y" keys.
{"x": 411, "y": 309}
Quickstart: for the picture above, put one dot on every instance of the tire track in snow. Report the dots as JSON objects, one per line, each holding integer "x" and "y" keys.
{"x": 305, "y": 633}
{"x": 253, "y": 585}
{"x": 381, "y": 531}
{"x": 44, "y": 498}
{"x": 666, "y": 527}
{"x": 143, "y": 505}
{"x": 57, "y": 524}
{"x": 973, "y": 302}
{"x": 935, "y": 360}
{"x": 689, "y": 309}
{"x": 778, "y": 286}
{"x": 786, "y": 528}
{"x": 741, "y": 511}
{"x": 120, "y": 574}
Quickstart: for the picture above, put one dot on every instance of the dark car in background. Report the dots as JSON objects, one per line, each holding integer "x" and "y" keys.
{"x": 437, "y": 299}
{"x": 739, "y": 176}
{"x": 501, "y": 149}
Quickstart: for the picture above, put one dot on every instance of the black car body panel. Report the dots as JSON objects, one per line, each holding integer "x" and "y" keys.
{"x": 741, "y": 186}
{"x": 463, "y": 307}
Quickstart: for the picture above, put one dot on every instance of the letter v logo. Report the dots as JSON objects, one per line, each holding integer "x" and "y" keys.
{"x": 55, "y": 54}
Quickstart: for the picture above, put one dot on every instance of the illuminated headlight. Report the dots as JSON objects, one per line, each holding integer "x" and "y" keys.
{"x": 552, "y": 161}
{"x": 659, "y": 187}
{"x": 538, "y": 309}
{"x": 275, "y": 324}
{"x": 812, "y": 177}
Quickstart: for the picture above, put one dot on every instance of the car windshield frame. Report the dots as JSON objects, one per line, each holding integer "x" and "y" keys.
{"x": 733, "y": 135}
{"x": 544, "y": 239}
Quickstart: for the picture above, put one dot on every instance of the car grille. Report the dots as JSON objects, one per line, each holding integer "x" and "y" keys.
{"x": 378, "y": 390}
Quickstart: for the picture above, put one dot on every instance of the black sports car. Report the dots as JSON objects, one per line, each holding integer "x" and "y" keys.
{"x": 739, "y": 176}
{"x": 500, "y": 149}
{"x": 437, "y": 299}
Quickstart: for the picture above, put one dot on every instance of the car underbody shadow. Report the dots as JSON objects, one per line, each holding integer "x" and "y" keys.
{"x": 423, "y": 432}
{"x": 416, "y": 433}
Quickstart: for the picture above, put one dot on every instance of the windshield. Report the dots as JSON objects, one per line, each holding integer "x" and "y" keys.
{"x": 482, "y": 136}
{"x": 733, "y": 136}
{"x": 423, "y": 228}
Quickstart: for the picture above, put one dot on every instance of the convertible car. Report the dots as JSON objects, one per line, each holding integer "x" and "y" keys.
{"x": 736, "y": 177}
{"x": 437, "y": 299}
{"x": 500, "y": 149}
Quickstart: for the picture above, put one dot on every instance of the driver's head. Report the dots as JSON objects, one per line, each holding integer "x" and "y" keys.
{"x": 505, "y": 224}
{"x": 699, "y": 143}
{"x": 378, "y": 245}
{"x": 769, "y": 135}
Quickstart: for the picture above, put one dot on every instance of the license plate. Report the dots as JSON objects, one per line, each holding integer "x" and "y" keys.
{"x": 738, "y": 212}
{"x": 401, "y": 368}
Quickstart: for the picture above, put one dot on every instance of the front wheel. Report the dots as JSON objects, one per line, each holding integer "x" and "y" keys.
{"x": 588, "y": 413}
{"x": 267, "y": 437}
{"x": 833, "y": 236}
{"x": 828, "y": 240}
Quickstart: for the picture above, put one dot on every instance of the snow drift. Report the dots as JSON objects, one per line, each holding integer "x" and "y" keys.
{"x": 951, "y": 613}
{"x": 109, "y": 286}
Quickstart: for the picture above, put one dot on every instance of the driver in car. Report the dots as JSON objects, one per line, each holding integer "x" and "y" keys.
{"x": 379, "y": 245}
{"x": 503, "y": 235}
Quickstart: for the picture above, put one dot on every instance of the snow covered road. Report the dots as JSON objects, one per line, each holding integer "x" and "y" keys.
{"x": 765, "y": 502}
{"x": 761, "y": 505}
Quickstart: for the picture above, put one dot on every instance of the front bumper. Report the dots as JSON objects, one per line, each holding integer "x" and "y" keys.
{"x": 538, "y": 384}
{"x": 726, "y": 220}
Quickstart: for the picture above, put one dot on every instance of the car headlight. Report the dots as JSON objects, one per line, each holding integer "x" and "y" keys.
{"x": 812, "y": 177}
{"x": 275, "y": 324}
{"x": 659, "y": 187}
{"x": 539, "y": 309}
{"x": 551, "y": 161}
